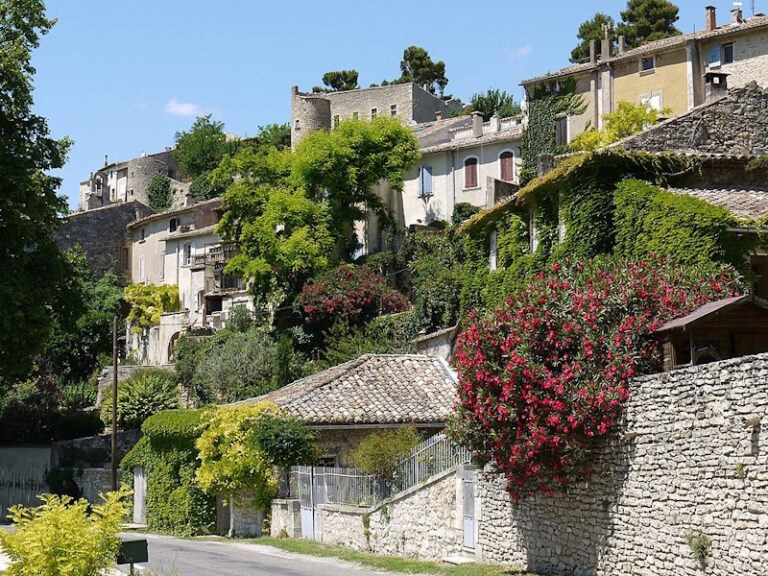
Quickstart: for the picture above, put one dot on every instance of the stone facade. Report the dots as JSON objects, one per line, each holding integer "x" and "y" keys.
{"x": 687, "y": 458}
{"x": 102, "y": 234}
{"x": 95, "y": 481}
{"x": 424, "y": 522}
{"x": 92, "y": 451}
{"x": 245, "y": 520}
{"x": 735, "y": 125}
{"x": 285, "y": 519}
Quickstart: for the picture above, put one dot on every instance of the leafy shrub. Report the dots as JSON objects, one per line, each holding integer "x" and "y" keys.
{"x": 236, "y": 366}
{"x": 546, "y": 376}
{"x": 201, "y": 188}
{"x": 380, "y": 451}
{"x": 61, "y": 537}
{"x": 463, "y": 211}
{"x": 240, "y": 446}
{"x": 146, "y": 392}
{"x": 149, "y": 302}
{"x": 73, "y": 397}
{"x": 78, "y": 425}
{"x": 159, "y": 193}
{"x": 29, "y": 411}
{"x": 166, "y": 451}
{"x": 699, "y": 543}
{"x": 355, "y": 293}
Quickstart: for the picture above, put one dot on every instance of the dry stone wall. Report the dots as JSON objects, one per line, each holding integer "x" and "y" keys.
{"x": 419, "y": 523}
{"x": 690, "y": 457}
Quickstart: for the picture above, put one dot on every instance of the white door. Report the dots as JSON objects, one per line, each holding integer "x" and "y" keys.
{"x": 469, "y": 507}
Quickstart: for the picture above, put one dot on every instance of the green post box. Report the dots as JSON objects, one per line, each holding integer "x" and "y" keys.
{"x": 133, "y": 551}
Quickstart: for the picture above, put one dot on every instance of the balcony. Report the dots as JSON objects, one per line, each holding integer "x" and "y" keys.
{"x": 218, "y": 254}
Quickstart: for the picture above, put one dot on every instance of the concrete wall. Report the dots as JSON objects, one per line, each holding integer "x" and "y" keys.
{"x": 689, "y": 457}
{"x": 668, "y": 79}
{"x": 424, "y": 522}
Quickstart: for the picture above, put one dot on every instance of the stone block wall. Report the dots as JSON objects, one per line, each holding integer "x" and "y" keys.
{"x": 750, "y": 62}
{"x": 245, "y": 520}
{"x": 690, "y": 456}
{"x": 423, "y": 522}
{"x": 736, "y": 125}
{"x": 95, "y": 481}
{"x": 285, "y": 518}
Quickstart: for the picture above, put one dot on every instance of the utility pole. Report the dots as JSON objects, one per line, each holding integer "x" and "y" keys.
{"x": 114, "y": 404}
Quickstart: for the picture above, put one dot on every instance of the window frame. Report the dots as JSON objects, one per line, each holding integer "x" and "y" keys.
{"x": 393, "y": 110}
{"x": 643, "y": 71}
{"x": 477, "y": 173}
{"x": 374, "y": 113}
{"x": 723, "y": 52}
{"x": 423, "y": 192}
{"x": 186, "y": 254}
{"x": 501, "y": 170}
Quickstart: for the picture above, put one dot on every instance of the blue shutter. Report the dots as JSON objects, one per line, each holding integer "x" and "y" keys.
{"x": 427, "y": 180}
{"x": 421, "y": 181}
{"x": 714, "y": 55}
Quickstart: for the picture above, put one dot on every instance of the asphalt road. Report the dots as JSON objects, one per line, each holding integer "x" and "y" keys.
{"x": 175, "y": 557}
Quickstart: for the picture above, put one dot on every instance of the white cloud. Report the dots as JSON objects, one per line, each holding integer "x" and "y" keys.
{"x": 521, "y": 52}
{"x": 178, "y": 108}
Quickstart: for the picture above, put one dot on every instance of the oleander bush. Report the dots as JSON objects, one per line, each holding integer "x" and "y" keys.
{"x": 545, "y": 377}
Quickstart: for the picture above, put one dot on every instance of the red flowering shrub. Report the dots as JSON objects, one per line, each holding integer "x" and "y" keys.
{"x": 546, "y": 376}
{"x": 354, "y": 293}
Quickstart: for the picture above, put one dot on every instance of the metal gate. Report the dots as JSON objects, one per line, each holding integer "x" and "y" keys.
{"x": 468, "y": 484}
{"x": 139, "y": 496}
{"x": 303, "y": 476}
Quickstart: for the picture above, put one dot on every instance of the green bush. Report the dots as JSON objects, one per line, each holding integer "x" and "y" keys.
{"x": 159, "y": 193}
{"x": 146, "y": 392}
{"x": 166, "y": 451}
{"x": 380, "y": 451}
{"x": 60, "y": 536}
{"x": 462, "y": 211}
{"x": 78, "y": 396}
{"x": 28, "y": 412}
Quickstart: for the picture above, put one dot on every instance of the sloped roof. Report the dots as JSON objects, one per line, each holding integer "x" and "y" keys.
{"x": 709, "y": 309}
{"x": 748, "y": 203}
{"x": 656, "y": 46}
{"x": 373, "y": 389}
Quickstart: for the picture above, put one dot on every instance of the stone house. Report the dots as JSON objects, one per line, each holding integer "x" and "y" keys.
{"x": 344, "y": 404}
{"x": 408, "y": 102}
{"x": 462, "y": 160}
{"x": 128, "y": 180}
{"x": 678, "y": 73}
{"x": 181, "y": 247}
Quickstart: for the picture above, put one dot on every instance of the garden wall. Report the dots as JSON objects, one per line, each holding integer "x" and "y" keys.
{"x": 422, "y": 522}
{"x": 690, "y": 457}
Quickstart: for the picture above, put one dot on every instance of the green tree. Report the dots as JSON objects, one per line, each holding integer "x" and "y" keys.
{"x": 647, "y": 20}
{"x": 494, "y": 101}
{"x": 201, "y": 148}
{"x": 145, "y": 393}
{"x": 628, "y": 119}
{"x": 341, "y": 168}
{"x": 159, "y": 193}
{"x": 418, "y": 67}
{"x": 338, "y": 81}
{"x": 34, "y": 285}
{"x": 592, "y": 29}
{"x": 276, "y": 136}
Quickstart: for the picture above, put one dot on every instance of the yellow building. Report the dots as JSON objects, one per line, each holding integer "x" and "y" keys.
{"x": 677, "y": 73}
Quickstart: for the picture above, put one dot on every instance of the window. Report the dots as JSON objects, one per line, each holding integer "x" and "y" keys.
{"x": 647, "y": 65}
{"x": 122, "y": 258}
{"x": 185, "y": 301}
{"x": 142, "y": 235}
{"x": 492, "y": 262}
{"x": 173, "y": 223}
{"x": 187, "y": 254}
{"x": 561, "y": 131}
{"x": 727, "y": 53}
{"x": 507, "y": 166}
{"x": 142, "y": 262}
{"x": 297, "y": 125}
{"x": 355, "y": 115}
{"x": 199, "y": 300}
{"x": 336, "y": 121}
{"x": 374, "y": 112}
{"x": 393, "y": 110}
{"x": 425, "y": 181}
{"x": 652, "y": 100}
{"x": 713, "y": 57}
{"x": 470, "y": 173}
{"x": 161, "y": 258}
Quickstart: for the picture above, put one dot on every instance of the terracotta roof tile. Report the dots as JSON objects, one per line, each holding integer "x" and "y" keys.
{"x": 745, "y": 203}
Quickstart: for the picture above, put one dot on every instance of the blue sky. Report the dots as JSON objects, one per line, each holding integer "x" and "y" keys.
{"x": 121, "y": 77}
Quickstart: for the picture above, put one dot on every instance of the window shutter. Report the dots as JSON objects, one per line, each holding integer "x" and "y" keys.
{"x": 427, "y": 184}
{"x": 421, "y": 180}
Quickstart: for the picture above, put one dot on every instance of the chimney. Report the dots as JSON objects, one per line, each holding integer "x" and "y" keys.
{"x": 622, "y": 45}
{"x": 737, "y": 17}
{"x": 477, "y": 124}
{"x": 592, "y": 51}
{"x": 439, "y": 115}
{"x": 711, "y": 18}
{"x": 605, "y": 53}
{"x": 715, "y": 86}
{"x": 495, "y": 124}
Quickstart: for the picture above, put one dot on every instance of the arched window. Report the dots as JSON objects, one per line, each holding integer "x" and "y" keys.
{"x": 470, "y": 173}
{"x": 297, "y": 124}
{"x": 507, "y": 166}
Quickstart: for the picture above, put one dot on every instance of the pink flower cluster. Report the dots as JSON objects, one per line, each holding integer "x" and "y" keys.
{"x": 546, "y": 376}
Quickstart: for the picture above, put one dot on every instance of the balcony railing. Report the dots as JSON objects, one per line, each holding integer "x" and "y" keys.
{"x": 218, "y": 254}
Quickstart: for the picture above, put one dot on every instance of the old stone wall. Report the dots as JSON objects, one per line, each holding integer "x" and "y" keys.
{"x": 101, "y": 232}
{"x": 750, "y": 59}
{"x": 95, "y": 481}
{"x": 142, "y": 170}
{"x": 285, "y": 518}
{"x": 690, "y": 457}
{"x": 423, "y": 522}
{"x": 245, "y": 520}
{"x": 736, "y": 125}
{"x": 92, "y": 451}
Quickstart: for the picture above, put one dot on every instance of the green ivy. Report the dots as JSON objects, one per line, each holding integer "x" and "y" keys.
{"x": 166, "y": 451}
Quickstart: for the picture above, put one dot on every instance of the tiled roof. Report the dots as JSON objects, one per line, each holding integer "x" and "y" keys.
{"x": 746, "y": 203}
{"x": 204, "y": 231}
{"x": 213, "y": 204}
{"x": 502, "y": 136}
{"x": 438, "y": 132}
{"x": 656, "y": 46}
{"x": 373, "y": 389}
